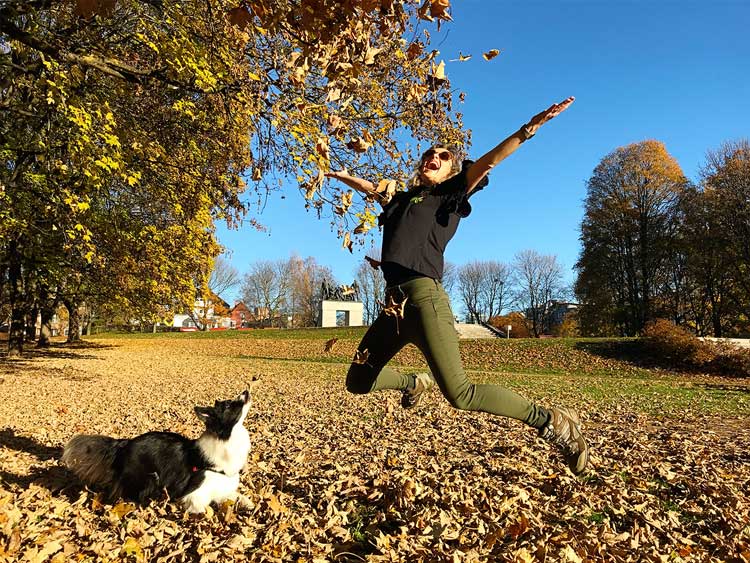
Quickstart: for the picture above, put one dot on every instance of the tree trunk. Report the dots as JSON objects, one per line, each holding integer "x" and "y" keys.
{"x": 45, "y": 330}
{"x": 31, "y": 324}
{"x": 17, "y": 330}
{"x": 74, "y": 322}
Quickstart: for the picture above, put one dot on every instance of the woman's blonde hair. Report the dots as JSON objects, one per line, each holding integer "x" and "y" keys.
{"x": 456, "y": 163}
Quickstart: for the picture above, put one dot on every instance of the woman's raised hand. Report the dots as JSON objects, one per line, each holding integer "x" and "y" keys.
{"x": 544, "y": 116}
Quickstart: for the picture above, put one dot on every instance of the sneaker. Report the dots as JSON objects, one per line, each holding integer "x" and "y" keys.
{"x": 410, "y": 397}
{"x": 564, "y": 430}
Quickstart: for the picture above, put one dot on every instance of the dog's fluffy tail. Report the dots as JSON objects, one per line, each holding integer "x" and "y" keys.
{"x": 91, "y": 457}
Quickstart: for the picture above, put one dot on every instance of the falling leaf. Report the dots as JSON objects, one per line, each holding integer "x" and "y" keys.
{"x": 333, "y": 123}
{"x": 374, "y": 264}
{"x": 257, "y": 174}
{"x": 361, "y": 229}
{"x": 360, "y": 356}
{"x": 489, "y": 55}
{"x": 321, "y": 146}
{"x": 330, "y": 344}
{"x": 348, "y": 242}
{"x": 414, "y": 50}
{"x": 462, "y": 58}
{"x": 386, "y": 189}
{"x": 438, "y": 72}
{"x": 359, "y": 144}
{"x": 432, "y": 9}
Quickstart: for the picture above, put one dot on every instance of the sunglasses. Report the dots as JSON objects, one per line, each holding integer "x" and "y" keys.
{"x": 443, "y": 155}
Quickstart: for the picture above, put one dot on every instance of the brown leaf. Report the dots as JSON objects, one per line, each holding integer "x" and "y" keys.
{"x": 489, "y": 55}
{"x": 519, "y": 528}
{"x": 432, "y": 9}
{"x": 322, "y": 147}
{"x": 374, "y": 264}
{"x": 395, "y": 308}
{"x": 240, "y": 16}
{"x": 360, "y": 356}
{"x": 415, "y": 49}
{"x": 359, "y": 144}
{"x": 333, "y": 123}
{"x": 348, "y": 242}
{"x": 89, "y": 8}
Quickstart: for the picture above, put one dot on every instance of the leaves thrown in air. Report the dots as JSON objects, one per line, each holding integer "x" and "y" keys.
{"x": 491, "y": 54}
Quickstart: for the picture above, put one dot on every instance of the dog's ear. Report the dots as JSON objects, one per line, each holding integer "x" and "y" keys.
{"x": 244, "y": 397}
{"x": 204, "y": 413}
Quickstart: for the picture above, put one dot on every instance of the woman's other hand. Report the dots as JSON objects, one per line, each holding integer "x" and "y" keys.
{"x": 544, "y": 116}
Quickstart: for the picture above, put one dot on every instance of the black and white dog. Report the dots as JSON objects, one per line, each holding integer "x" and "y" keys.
{"x": 193, "y": 472}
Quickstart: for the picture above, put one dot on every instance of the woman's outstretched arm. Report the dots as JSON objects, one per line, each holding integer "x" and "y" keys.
{"x": 481, "y": 167}
{"x": 364, "y": 186}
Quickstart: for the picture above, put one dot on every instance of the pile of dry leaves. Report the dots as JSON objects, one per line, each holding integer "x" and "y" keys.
{"x": 337, "y": 477}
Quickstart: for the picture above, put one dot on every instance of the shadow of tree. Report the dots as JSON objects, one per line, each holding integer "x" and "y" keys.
{"x": 630, "y": 351}
{"x": 9, "y": 439}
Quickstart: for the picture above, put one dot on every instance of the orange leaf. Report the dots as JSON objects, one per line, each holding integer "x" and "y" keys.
{"x": 489, "y": 55}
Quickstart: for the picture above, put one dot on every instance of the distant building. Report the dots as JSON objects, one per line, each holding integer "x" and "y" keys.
{"x": 241, "y": 316}
{"x": 209, "y": 314}
{"x": 552, "y": 314}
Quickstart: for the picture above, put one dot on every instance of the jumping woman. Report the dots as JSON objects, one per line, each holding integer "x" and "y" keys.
{"x": 417, "y": 225}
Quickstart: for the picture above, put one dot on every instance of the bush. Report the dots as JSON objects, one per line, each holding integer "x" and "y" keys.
{"x": 516, "y": 320}
{"x": 671, "y": 342}
{"x": 732, "y": 361}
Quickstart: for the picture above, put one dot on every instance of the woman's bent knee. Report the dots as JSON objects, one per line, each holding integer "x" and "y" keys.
{"x": 359, "y": 379}
{"x": 464, "y": 400}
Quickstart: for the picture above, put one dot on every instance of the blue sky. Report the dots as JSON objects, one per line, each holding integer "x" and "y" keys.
{"x": 675, "y": 71}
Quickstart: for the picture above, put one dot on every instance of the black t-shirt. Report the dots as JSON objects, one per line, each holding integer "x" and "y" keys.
{"x": 417, "y": 225}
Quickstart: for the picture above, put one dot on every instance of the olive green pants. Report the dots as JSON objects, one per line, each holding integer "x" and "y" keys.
{"x": 428, "y": 324}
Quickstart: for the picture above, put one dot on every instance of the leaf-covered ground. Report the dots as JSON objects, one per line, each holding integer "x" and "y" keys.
{"x": 355, "y": 478}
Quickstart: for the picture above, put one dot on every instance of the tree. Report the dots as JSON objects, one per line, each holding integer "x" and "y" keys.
{"x": 306, "y": 279}
{"x": 483, "y": 287}
{"x": 266, "y": 288}
{"x": 371, "y": 287}
{"x": 628, "y": 235}
{"x": 726, "y": 183}
{"x": 539, "y": 281}
{"x": 708, "y": 275}
{"x": 129, "y": 127}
